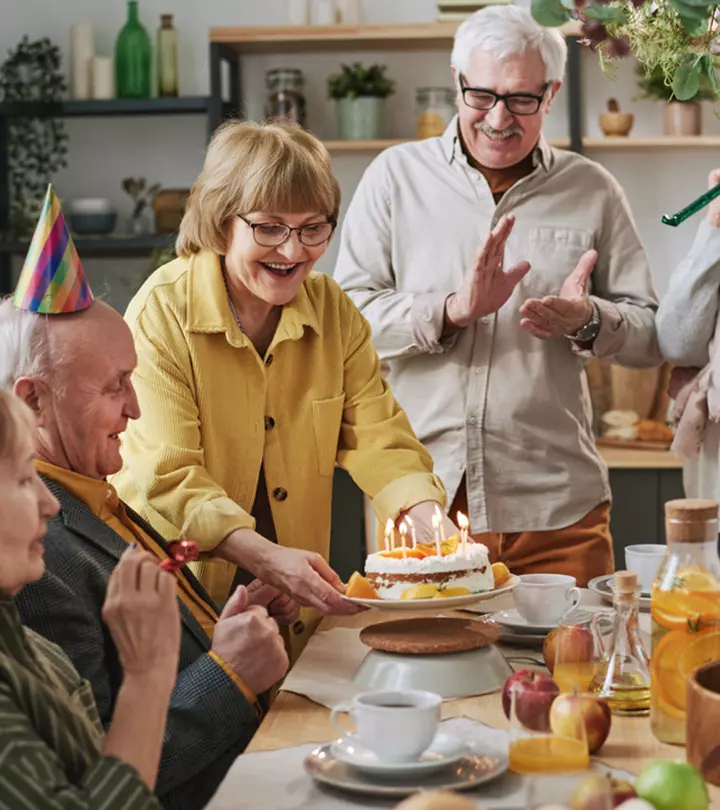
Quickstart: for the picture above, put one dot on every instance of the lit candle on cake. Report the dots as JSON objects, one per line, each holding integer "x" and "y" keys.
{"x": 409, "y": 522}
{"x": 440, "y": 523}
{"x": 463, "y": 523}
{"x": 389, "y": 532}
{"x": 436, "y": 520}
{"x": 403, "y": 537}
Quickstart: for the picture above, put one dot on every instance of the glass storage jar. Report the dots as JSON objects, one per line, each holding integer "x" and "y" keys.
{"x": 286, "y": 101}
{"x": 435, "y": 108}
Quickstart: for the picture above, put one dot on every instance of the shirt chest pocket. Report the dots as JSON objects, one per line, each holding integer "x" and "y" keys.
{"x": 327, "y": 419}
{"x": 553, "y": 253}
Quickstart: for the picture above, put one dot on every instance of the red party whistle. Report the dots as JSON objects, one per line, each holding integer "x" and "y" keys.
{"x": 180, "y": 552}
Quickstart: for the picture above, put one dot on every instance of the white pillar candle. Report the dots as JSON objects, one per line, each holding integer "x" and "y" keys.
{"x": 412, "y": 531}
{"x": 463, "y": 524}
{"x": 299, "y": 12}
{"x": 435, "y": 524}
{"x": 403, "y": 534}
{"x": 103, "y": 77}
{"x": 440, "y": 523}
{"x": 389, "y": 532}
{"x": 81, "y": 52}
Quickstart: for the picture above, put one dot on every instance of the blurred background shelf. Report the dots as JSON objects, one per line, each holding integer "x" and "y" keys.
{"x": 104, "y": 245}
{"x": 655, "y": 142}
{"x": 183, "y": 105}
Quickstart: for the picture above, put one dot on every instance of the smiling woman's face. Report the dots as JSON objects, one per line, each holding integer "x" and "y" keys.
{"x": 25, "y": 505}
{"x": 273, "y": 274}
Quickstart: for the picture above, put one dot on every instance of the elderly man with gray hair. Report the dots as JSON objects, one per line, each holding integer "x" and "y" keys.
{"x": 74, "y": 372}
{"x": 485, "y": 337}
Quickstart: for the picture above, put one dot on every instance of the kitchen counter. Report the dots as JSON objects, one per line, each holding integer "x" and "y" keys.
{"x": 630, "y": 458}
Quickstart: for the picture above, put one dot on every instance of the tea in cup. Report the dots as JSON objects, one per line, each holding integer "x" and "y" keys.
{"x": 546, "y": 598}
{"x": 397, "y": 726}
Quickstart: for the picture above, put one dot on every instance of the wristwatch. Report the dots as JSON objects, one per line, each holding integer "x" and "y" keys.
{"x": 588, "y": 333}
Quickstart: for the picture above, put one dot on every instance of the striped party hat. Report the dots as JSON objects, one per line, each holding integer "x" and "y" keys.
{"x": 52, "y": 281}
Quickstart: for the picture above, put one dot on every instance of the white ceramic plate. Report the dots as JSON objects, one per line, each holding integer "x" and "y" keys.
{"x": 443, "y": 751}
{"x": 603, "y": 586}
{"x": 514, "y": 621}
{"x": 466, "y": 773}
{"x": 435, "y": 604}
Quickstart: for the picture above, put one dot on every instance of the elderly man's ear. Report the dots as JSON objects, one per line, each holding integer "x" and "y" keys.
{"x": 33, "y": 392}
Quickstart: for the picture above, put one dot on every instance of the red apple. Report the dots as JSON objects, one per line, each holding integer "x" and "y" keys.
{"x": 534, "y": 695}
{"x": 594, "y": 791}
{"x": 577, "y": 645}
{"x": 593, "y": 711}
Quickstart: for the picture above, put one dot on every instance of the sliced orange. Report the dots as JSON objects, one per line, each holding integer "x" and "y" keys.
{"x": 501, "y": 573}
{"x": 423, "y": 591}
{"x": 448, "y": 593}
{"x": 450, "y": 545}
{"x": 399, "y": 554}
{"x": 685, "y": 610}
{"x": 694, "y": 578}
{"x": 664, "y": 668}
{"x": 701, "y": 648}
{"x": 359, "y": 588}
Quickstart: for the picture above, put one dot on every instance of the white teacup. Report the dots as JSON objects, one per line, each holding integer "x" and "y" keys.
{"x": 397, "y": 726}
{"x": 546, "y": 598}
{"x": 644, "y": 559}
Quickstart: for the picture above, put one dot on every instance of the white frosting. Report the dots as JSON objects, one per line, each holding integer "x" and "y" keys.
{"x": 475, "y": 556}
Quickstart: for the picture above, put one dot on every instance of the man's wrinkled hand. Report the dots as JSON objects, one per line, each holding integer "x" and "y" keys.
{"x": 565, "y": 313}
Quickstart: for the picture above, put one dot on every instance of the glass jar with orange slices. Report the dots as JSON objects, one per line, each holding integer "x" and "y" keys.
{"x": 685, "y": 612}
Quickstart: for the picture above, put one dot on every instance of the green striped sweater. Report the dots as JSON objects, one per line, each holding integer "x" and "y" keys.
{"x": 50, "y": 734}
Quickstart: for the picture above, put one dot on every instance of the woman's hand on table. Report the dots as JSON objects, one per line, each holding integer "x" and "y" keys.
{"x": 421, "y": 516}
{"x": 302, "y": 575}
{"x": 281, "y": 607}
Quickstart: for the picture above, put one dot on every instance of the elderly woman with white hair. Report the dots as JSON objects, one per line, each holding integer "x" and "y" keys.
{"x": 486, "y": 348}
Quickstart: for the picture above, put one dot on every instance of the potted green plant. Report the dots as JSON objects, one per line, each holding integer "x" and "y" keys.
{"x": 679, "y": 117}
{"x": 360, "y": 93}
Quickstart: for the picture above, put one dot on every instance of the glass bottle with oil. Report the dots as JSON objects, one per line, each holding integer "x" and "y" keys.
{"x": 622, "y": 675}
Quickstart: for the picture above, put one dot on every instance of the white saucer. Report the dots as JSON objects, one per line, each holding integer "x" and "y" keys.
{"x": 435, "y": 605}
{"x": 603, "y": 586}
{"x": 513, "y": 620}
{"x": 443, "y": 751}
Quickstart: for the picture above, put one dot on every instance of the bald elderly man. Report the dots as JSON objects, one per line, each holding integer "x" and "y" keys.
{"x": 74, "y": 371}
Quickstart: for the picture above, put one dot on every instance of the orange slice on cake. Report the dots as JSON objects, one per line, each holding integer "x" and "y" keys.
{"x": 501, "y": 573}
{"x": 359, "y": 588}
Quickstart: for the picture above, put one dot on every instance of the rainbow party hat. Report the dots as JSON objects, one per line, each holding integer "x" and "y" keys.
{"x": 52, "y": 281}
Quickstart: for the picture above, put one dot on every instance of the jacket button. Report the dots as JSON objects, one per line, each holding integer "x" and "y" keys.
{"x": 279, "y": 494}
{"x": 298, "y": 627}
{"x": 268, "y": 360}
{"x": 269, "y": 423}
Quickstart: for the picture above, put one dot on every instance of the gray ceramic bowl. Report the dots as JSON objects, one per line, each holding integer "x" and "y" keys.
{"x": 99, "y": 224}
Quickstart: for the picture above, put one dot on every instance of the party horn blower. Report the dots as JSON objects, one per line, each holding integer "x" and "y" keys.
{"x": 696, "y": 205}
{"x": 180, "y": 552}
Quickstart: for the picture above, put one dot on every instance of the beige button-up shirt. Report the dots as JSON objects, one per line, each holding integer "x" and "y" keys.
{"x": 509, "y": 410}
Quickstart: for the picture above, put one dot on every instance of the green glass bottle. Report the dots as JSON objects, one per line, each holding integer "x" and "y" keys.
{"x": 133, "y": 57}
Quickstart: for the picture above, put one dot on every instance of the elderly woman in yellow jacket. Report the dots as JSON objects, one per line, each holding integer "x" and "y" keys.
{"x": 256, "y": 377}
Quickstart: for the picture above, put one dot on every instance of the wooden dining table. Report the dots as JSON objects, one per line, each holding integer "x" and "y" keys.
{"x": 295, "y": 720}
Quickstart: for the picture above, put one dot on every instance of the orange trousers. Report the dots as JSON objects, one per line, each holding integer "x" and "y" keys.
{"x": 583, "y": 550}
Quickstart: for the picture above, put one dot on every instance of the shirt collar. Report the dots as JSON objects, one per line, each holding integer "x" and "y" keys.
{"x": 452, "y": 147}
{"x": 208, "y": 306}
{"x": 100, "y": 497}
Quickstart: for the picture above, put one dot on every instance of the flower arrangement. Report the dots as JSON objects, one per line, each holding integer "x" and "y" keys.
{"x": 676, "y": 38}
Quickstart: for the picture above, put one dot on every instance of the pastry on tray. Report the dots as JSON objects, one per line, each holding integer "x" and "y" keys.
{"x": 627, "y": 426}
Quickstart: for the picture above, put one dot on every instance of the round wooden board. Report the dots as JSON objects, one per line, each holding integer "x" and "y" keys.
{"x": 430, "y": 636}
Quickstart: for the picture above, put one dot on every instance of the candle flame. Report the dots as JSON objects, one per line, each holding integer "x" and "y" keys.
{"x": 436, "y": 518}
{"x": 462, "y": 521}
{"x": 389, "y": 526}
{"x": 403, "y": 529}
{"x": 409, "y": 522}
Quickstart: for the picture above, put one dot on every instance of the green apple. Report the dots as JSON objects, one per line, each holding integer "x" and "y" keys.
{"x": 672, "y": 786}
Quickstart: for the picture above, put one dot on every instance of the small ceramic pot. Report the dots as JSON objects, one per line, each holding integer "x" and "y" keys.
{"x": 616, "y": 124}
{"x": 682, "y": 118}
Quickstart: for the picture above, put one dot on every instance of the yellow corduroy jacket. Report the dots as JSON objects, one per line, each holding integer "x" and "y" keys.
{"x": 214, "y": 411}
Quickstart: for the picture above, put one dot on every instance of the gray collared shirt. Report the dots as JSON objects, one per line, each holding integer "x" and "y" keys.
{"x": 510, "y": 411}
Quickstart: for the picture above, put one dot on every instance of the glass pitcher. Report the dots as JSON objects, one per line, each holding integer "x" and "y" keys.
{"x": 622, "y": 668}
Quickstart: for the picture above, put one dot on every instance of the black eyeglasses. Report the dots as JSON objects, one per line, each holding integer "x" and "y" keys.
{"x": 267, "y": 234}
{"x": 517, "y": 103}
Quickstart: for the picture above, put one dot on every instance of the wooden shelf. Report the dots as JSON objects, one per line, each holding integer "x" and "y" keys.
{"x": 659, "y": 142}
{"x": 308, "y": 38}
{"x": 379, "y": 145}
{"x": 182, "y": 105}
{"x": 104, "y": 245}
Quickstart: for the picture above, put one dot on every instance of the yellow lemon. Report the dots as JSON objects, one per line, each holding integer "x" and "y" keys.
{"x": 448, "y": 593}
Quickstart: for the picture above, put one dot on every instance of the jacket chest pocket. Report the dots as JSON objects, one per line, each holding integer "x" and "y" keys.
{"x": 327, "y": 419}
{"x": 553, "y": 254}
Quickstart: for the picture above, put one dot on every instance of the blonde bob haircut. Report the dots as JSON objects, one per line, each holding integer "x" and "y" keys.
{"x": 275, "y": 168}
{"x": 15, "y": 419}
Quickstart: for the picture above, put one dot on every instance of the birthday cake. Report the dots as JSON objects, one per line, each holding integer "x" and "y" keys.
{"x": 421, "y": 573}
